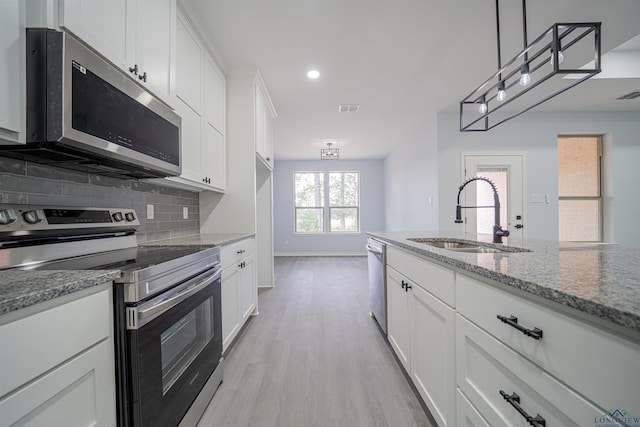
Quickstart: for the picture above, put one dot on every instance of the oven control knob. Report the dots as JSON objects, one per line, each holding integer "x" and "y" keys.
{"x": 130, "y": 216}
{"x": 7, "y": 216}
{"x": 117, "y": 217}
{"x": 33, "y": 217}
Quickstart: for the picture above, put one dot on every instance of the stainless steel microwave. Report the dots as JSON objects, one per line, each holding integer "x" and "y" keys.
{"x": 85, "y": 114}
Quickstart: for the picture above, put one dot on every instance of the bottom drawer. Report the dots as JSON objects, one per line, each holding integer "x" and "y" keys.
{"x": 466, "y": 414}
{"x": 488, "y": 371}
{"x": 81, "y": 392}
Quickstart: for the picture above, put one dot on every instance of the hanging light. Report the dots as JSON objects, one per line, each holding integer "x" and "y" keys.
{"x": 560, "y": 57}
{"x": 502, "y": 93}
{"x": 525, "y": 75}
{"x": 483, "y": 105}
{"x": 329, "y": 153}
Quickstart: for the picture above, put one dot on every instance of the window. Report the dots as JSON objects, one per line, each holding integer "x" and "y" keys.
{"x": 340, "y": 191}
{"x": 580, "y": 188}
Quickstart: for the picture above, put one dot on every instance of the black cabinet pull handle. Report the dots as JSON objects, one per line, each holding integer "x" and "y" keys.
{"x": 241, "y": 251}
{"x": 406, "y": 288}
{"x": 143, "y": 77}
{"x": 514, "y": 400}
{"x": 512, "y": 321}
{"x": 134, "y": 69}
{"x": 404, "y": 284}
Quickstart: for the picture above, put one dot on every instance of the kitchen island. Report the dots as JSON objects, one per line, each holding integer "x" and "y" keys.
{"x": 546, "y": 329}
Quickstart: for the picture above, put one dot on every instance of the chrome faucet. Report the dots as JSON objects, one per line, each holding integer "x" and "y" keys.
{"x": 498, "y": 232}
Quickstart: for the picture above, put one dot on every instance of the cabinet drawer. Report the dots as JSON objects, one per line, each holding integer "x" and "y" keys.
{"x": 81, "y": 392}
{"x": 466, "y": 414}
{"x": 44, "y": 340}
{"x": 598, "y": 364}
{"x": 438, "y": 280}
{"x": 485, "y": 366}
{"x": 235, "y": 252}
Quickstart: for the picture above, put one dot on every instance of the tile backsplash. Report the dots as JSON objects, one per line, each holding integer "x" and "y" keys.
{"x": 31, "y": 183}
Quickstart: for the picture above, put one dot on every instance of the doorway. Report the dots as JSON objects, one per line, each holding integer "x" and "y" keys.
{"x": 506, "y": 170}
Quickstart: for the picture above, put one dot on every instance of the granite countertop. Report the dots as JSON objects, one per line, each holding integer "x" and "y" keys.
{"x": 600, "y": 280}
{"x": 204, "y": 240}
{"x": 23, "y": 288}
{"x": 20, "y": 288}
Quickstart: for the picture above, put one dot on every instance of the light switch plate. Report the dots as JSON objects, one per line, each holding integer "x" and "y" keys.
{"x": 185, "y": 212}
{"x": 150, "y": 212}
{"x": 536, "y": 198}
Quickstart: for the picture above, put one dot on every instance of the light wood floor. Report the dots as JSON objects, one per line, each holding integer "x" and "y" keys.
{"x": 313, "y": 356}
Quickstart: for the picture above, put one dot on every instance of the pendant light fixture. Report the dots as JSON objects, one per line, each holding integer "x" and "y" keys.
{"x": 536, "y": 74}
{"x": 329, "y": 153}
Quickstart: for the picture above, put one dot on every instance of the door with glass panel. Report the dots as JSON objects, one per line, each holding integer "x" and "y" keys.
{"x": 506, "y": 172}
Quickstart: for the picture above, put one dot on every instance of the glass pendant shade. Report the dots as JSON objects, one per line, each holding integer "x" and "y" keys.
{"x": 560, "y": 57}
{"x": 502, "y": 94}
{"x": 483, "y": 105}
{"x": 525, "y": 77}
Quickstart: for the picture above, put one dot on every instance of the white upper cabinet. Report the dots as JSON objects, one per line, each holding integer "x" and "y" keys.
{"x": 214, "y": 102}
{"x": 200, "y": 101}
{"x": 11, "y": 71}
{"x": 264, "y": 115}
{"x": 136, "y": 35}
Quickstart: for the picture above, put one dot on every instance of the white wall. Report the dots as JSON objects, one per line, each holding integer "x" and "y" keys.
{"x": 411, "y": 178}
{"x": 372, "y": 217}
{"x": 536, "y": 134}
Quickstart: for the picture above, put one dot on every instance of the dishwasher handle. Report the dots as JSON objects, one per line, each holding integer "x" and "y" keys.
{"x": 374, "y": 250}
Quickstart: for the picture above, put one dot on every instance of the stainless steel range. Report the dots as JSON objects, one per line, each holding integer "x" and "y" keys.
{"x": 167, "y": 310}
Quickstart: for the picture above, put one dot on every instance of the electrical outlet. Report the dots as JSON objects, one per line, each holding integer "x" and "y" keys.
{"x": 150, "y": 212}
{"x": 185, "y": 212}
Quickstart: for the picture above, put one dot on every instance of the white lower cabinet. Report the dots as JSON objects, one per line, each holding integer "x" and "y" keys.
{"x": 421, "y": 332}
{"x": 239, "y": 290}
{"x": 513, "y": 360}
{"x": 466, "y": 414}
{"x": 61, "y": 361}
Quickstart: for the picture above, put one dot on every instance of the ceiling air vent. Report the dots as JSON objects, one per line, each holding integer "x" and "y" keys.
{"x": 631, "y": 95}
{"x": 348, "y": 108}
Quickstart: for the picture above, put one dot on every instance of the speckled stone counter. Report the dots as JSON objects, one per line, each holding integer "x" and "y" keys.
{"x": 22, "y": 289}
{"x": 600, "y": 280}
{"x": 205, "y": 240}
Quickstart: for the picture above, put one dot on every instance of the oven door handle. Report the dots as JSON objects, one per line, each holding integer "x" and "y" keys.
{"x": 137, "y": 317}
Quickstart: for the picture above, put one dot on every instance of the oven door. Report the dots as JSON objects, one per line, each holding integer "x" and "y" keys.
{"x": 174, "y": 344}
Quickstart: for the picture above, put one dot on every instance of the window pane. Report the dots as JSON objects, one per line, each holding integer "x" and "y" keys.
{"x": 579, "y": 220}
{"x": 578, "y": 171}
{"x": 484, "y": 197}
{"x": 309, "y": 189}
{"x": 309, "y": 220}
{"x": 343, "y": 188}
{"x": 344, "y": 219}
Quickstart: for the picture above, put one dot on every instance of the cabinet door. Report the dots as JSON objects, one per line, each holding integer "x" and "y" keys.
{"x": 213, "y": 157}
{"x": 104, "y": 25}
{"x": 214, "y": 102}
{"x": 188, "y": 66}
{"x": 230, "y": 317}
{"x": 81, "y": 392}
{"x": 399, "y": 316}
{"x": 155, "y": 43}
{"x": 11, "y": 71}
{"x": 260, "y": 108}
{"x": 432, "y": 353}
{"x": 191, "y": 137}
{"x": 247, "y": 288}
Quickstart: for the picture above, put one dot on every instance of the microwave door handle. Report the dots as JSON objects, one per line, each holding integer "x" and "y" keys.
{"x": 174, "y": 300}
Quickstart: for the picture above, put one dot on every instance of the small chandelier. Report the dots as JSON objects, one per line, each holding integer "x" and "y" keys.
{"x": 329, "y": 153}
{"x": 550, "y": 65}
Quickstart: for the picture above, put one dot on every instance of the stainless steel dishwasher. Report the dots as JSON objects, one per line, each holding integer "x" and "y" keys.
{"x": 377, "y": 258}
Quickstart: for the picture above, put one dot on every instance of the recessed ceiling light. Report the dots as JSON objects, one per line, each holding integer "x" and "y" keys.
{"x": 313, "y": 74}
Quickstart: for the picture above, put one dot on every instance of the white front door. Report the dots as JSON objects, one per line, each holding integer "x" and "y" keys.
{"x": 506, "y": 172}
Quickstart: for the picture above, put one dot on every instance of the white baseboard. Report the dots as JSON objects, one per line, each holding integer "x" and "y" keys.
{"x": 325, "y": 254}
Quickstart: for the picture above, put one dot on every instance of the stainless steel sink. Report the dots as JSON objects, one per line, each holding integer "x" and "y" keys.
{"x": 467, "y": 247}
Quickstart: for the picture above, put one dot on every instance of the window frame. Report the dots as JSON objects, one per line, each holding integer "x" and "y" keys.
{"x": 326, "y": 209}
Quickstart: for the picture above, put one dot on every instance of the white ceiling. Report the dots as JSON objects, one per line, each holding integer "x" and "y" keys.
{"x": 401, "y": 60}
